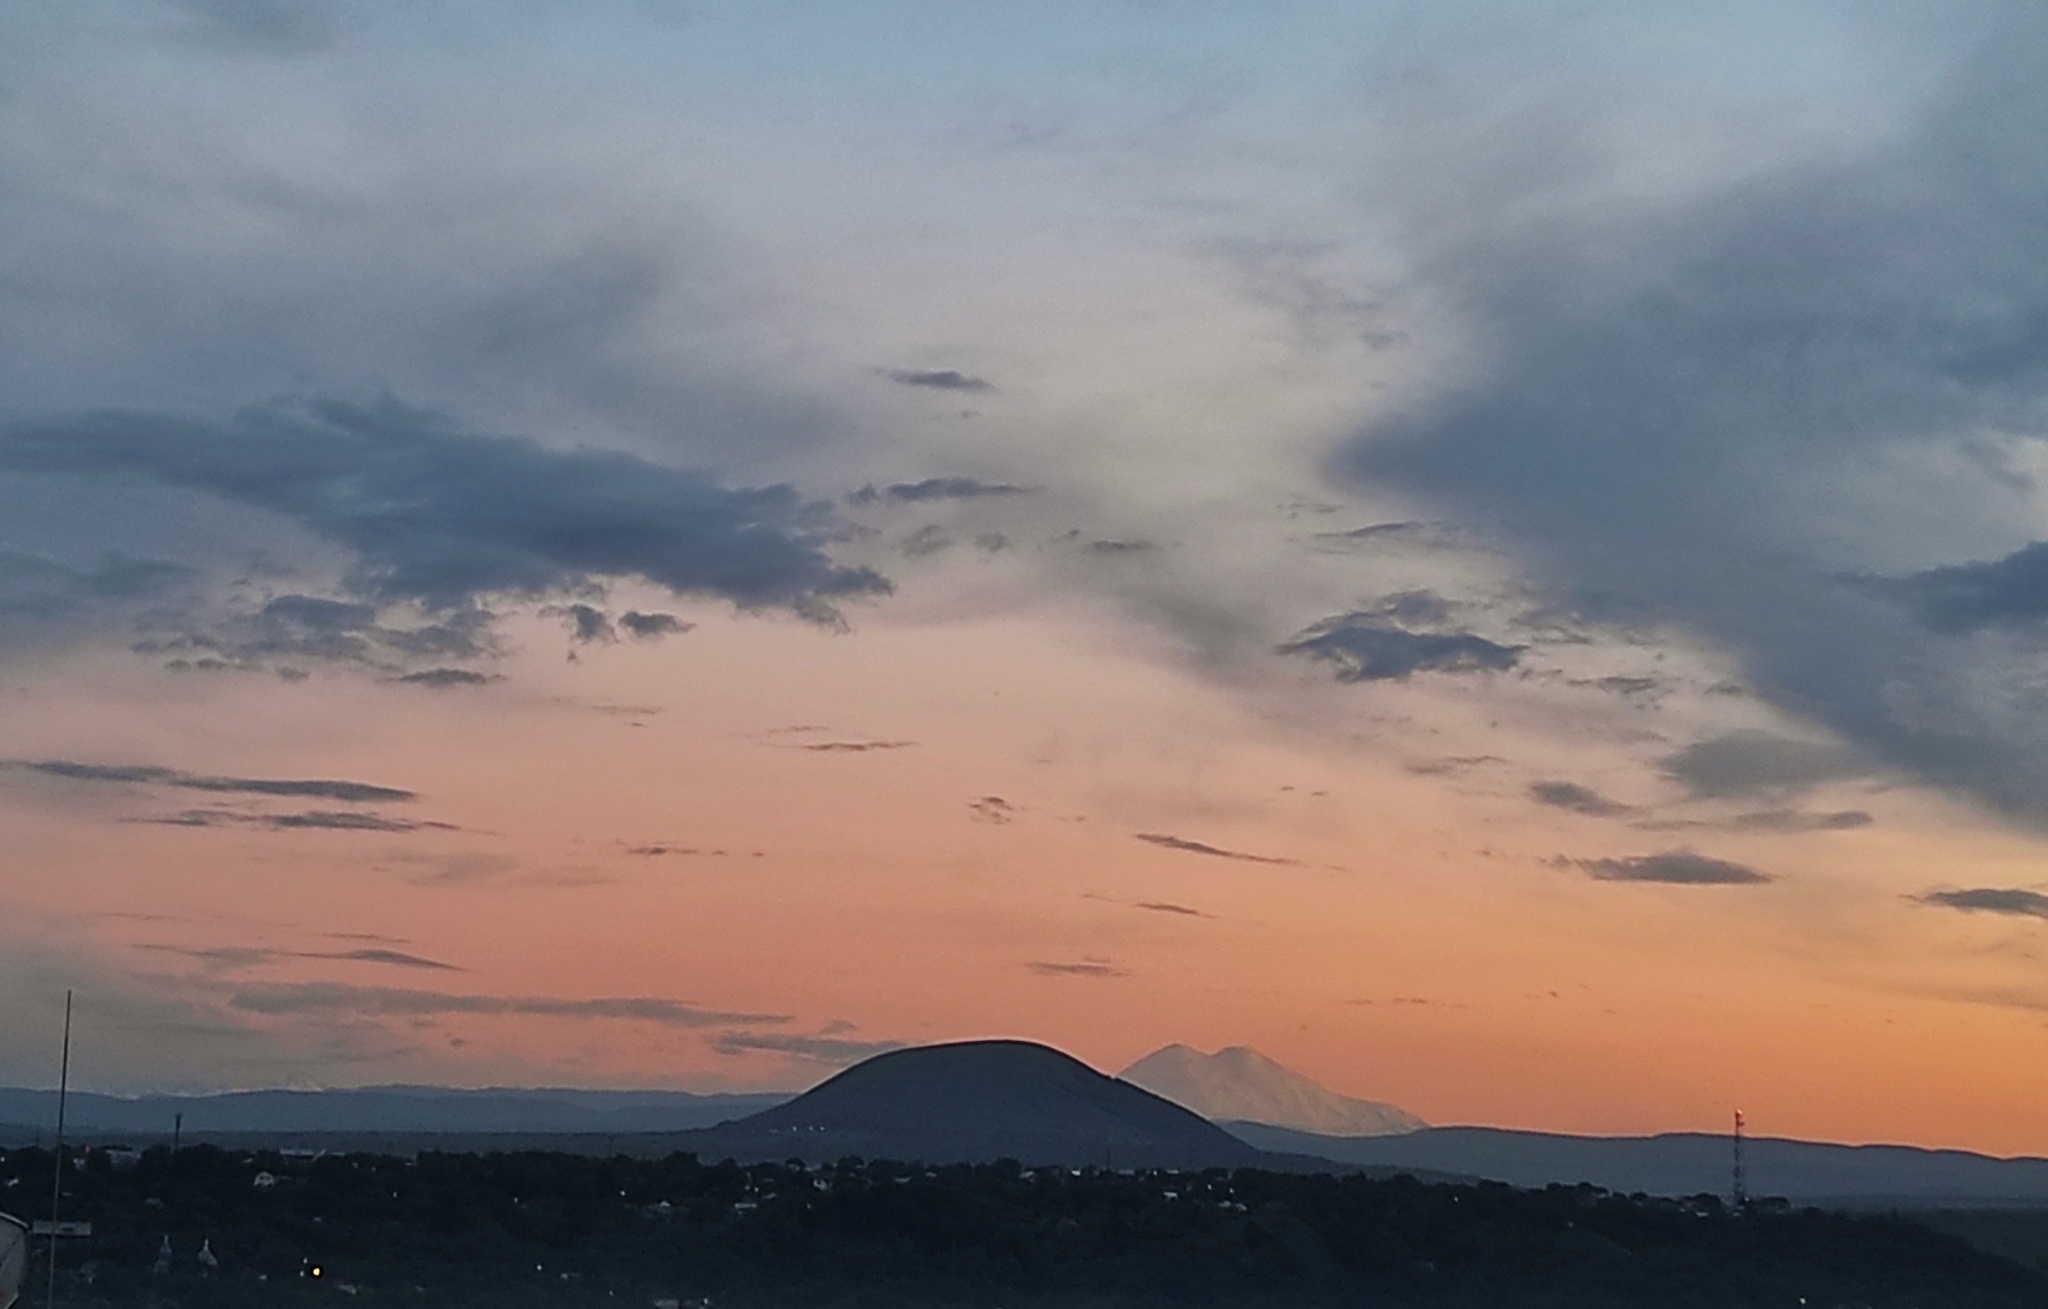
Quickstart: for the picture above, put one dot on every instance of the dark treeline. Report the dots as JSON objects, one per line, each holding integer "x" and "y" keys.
{"x": 532, "y": 1229}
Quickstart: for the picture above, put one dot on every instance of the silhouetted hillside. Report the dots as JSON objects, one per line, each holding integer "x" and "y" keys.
{"x": 1686, "y": 1163}
{"x": 981, "y": 1100}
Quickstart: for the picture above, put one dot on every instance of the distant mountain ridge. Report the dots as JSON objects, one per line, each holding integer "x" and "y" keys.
{"x": 388, "y": 1109}
{"x": 1688, "y": 1163}
{"x": 1238, "y": 1084}
{"x": 984, "y": 1100}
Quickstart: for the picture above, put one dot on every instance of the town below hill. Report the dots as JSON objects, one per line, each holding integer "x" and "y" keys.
{"x": 207, "y": 1228}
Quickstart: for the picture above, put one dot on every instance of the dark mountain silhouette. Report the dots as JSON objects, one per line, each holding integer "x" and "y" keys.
{"x": 383, "y": 1109}
{"x": 982, "y": 1100}
{"x": 1687, "y": 1163}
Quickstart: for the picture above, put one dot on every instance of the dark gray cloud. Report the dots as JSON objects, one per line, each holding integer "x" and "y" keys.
{"x": 1991, "y": 900}
{"x": 442, "y": 679}
{"x": 652, "y": 627}
{"x": 854, "y": 747}
{"x": 152, "y": 775}
{"x": 336, "y": 997}
{"x": 239, "y": 956}
{"x": 312, "y": 820}
{"x": 586, "y": 623}
{"x": 993, "y": 809}
{"x": 1961, "y": 598}
{"x": 1673, "y": 868}
{"x": 821, "y": 1049}
{"x": 1710, "y": 412}
{"x": 1758, "y": 763}
{"x": 1579, "y": 799}
{"x": 293, "y": 629}
{"x": 938, "y": 379}
{"x": 1168, "y": 907}
{"x": 1380, "y": 645}
{"x": 442, "y": 518}
{"x": 1086, "y": 968}
{"x": 1168, "y": 842}
{"x": 937, "y": 488}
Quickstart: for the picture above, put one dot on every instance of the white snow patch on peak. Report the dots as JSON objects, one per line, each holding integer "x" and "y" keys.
{"x": 1238, "y": 1084}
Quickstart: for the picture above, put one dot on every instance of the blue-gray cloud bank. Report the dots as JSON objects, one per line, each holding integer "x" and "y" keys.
{"x": 1725, "y": 414}
{"x": 430, "y": 514}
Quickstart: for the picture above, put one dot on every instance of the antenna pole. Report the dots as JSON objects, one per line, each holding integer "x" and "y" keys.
{"x": 57, "y": 1179}
{"x": 1741, "y": 1183}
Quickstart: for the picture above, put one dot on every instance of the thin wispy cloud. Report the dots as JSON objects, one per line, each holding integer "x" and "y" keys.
{"x": 284, "y": 999}
{"x": 1091, "y": 968}
{"x": 312, "y": 820}
{"x": 152, "y": 775}
{"x": 937, "y": 488}
{"x": 1672, "y": 868}
{"x": 442, "y": 679}
{"x": 854, "y": 747}
{"x": 2010, "y": 901}
{"x": 1167, "y": 841}
{"x": 937, "y": 379}
{"x": 824, "y": 1049}
{"x": 1578, "y": 799}
{"x": 255, "y": 956}
{"x": 1168, "y": 907}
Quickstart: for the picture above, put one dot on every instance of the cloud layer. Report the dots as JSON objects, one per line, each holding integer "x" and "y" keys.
{"x": 1673, "y": 868}
{"x": 445, "y": 519}
{"x": 1725, "y": 410}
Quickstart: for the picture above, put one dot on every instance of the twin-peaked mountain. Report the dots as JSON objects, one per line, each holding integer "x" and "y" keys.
{"x": 1240, "y": 1085}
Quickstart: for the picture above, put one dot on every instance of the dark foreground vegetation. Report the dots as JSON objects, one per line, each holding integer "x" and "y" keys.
{"x": 550, "y": 1229}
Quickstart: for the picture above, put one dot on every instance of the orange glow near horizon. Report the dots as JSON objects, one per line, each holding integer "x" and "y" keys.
{"x": 860, "y": 895}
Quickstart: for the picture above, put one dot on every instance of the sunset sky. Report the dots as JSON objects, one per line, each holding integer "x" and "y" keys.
{"x": 1492, "y": 551}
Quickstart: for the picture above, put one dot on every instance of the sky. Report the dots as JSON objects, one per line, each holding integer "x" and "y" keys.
{"x": 1495, "y": 552}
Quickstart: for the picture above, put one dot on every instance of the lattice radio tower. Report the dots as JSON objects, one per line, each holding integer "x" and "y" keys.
{"x": 1741, "y": 1188}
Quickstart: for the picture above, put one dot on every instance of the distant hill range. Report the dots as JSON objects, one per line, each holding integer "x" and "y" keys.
{"x": 985, "y": 1100}
{"x": 385, "y": 1109}
{"x": 1689, "y": 1163}
{"x": 1238, "y": 1084}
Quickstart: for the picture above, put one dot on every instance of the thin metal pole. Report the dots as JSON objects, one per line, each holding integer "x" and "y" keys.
{"x": 1741, "y": 1182}
{"x": 57, "y": 1181}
